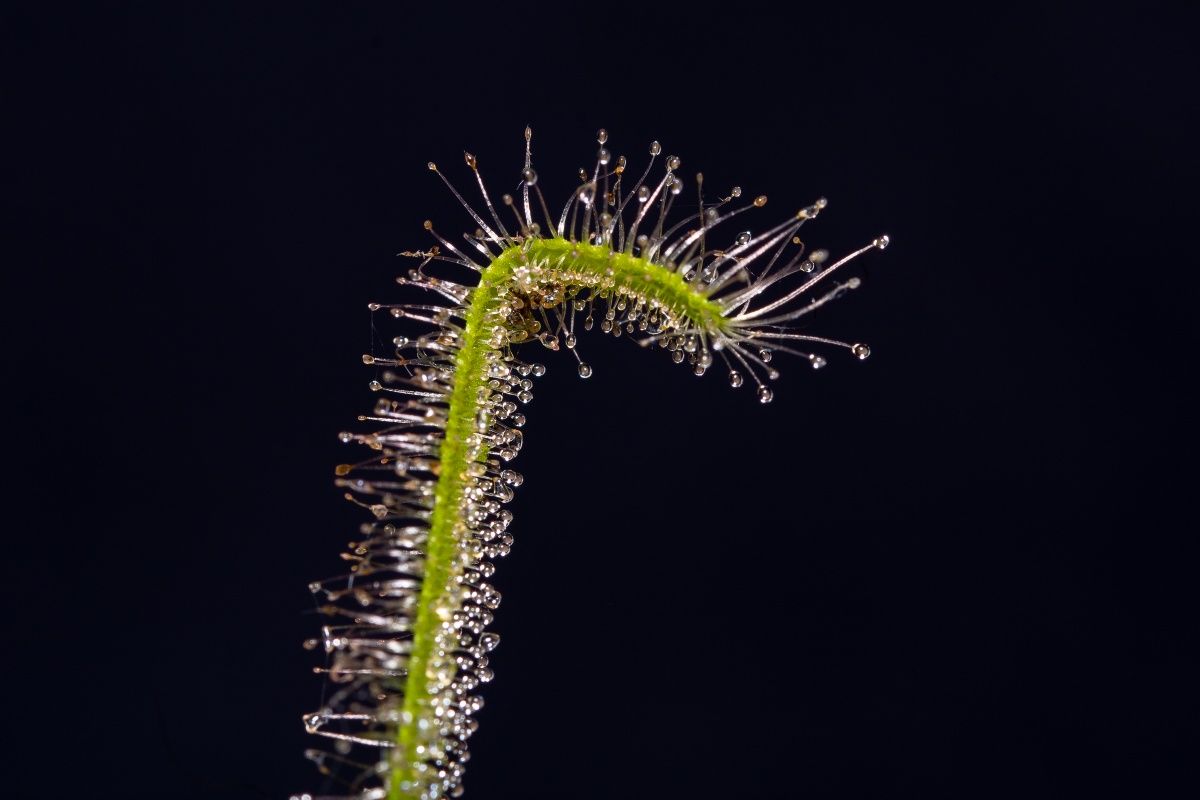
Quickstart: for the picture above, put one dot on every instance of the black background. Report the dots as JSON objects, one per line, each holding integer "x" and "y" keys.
{"x": 963, "y": 568}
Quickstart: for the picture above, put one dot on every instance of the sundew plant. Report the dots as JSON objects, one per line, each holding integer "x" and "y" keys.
{"x": 407, "y": 641}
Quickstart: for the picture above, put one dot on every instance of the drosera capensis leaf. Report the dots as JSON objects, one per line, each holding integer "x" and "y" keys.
{"x": 407, "y": 645}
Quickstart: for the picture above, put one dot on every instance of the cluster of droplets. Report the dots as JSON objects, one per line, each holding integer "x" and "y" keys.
{"x": 550, "y": 302}
{"x": 758, "y": 279}
{"x": 612, "y": 261}
{"x": 369, "y": 646}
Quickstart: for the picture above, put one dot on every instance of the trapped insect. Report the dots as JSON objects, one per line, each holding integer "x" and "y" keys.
{"x": 407, "y": 645}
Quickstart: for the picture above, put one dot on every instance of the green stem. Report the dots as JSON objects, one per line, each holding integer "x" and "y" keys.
{"x": 590, "y": 265}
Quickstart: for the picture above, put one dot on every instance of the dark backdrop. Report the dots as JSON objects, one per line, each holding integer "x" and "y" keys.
{"x": 963, "y": 568}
